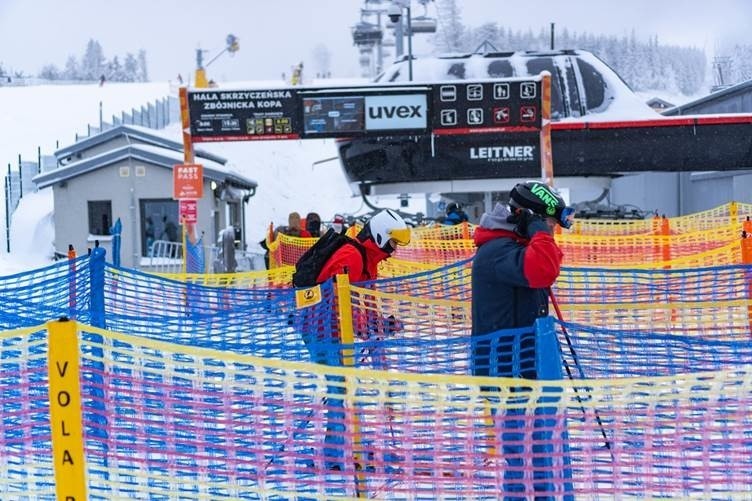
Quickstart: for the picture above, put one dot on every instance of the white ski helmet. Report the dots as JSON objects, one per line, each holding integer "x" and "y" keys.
{"x": 388, "y": 225}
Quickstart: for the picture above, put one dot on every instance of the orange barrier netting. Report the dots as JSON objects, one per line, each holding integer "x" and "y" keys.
{"x": 701, "y": 239}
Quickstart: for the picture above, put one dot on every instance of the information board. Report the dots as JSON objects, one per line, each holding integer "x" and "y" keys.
{"x": 244, "y": 115}
{"x": 447, "y": 108}
{"x": 481, "y": 107}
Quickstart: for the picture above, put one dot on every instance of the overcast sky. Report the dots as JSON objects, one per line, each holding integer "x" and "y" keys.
{"x": 274, "y": 35}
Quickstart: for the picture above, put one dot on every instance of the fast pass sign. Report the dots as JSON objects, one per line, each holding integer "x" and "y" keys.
{"x": 188, "y": 181}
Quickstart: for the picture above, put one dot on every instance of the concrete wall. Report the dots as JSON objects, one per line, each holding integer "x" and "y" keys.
{"x": 650, "y": 191}
{"x": 682, "y": 193}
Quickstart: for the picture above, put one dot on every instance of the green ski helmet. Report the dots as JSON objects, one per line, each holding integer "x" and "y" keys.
{"x": 541, "y": 199}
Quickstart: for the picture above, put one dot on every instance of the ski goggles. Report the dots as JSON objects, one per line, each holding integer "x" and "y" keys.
{"x": 400, "y": 236}
{"x": 566, "y": 218}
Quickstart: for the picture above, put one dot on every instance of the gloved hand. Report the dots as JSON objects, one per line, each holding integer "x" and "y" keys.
{"x": 393, "y": 325}
{"x": 527, "y": 223}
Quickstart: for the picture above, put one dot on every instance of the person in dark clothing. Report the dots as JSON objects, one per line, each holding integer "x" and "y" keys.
{"x": 170, "y": 230}
{"x": 454, "y": 214}
{"x": 313, "y": 224}
{"x": 516, "y": 261}
{"x": 375, "y": 242}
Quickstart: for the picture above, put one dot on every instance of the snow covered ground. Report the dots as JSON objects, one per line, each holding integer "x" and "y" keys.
{"x": 288, "y": 178}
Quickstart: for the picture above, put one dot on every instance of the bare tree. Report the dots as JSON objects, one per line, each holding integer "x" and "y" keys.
{"x": 322, "y": 59}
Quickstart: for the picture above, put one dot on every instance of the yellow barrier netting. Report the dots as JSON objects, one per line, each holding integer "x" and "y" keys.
{"x": 163, "y": 420}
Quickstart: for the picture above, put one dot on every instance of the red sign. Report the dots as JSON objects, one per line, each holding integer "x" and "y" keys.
{"x": 187, "y": 181}
{"x": 188, "y": 211}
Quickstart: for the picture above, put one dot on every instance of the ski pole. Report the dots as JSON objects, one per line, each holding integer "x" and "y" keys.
{"x": 577, "y": 364}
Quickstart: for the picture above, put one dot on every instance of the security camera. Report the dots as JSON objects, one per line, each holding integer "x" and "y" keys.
{"x": 395, "y": 13}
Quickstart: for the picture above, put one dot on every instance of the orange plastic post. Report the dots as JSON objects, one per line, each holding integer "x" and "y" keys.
{"x": 666, "y": 241}
{"x": 465, "y": 230}
{"x": 546, "y": 151}
{"x": 747, "y": 260}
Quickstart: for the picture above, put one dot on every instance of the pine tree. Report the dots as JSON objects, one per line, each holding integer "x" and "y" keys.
{"x": 71, "y": 71}
{"x": 115, "y": 71}
{"x": 322, "y": 59}
{"x": 49, "y": 72}
{"x": 143, "y": 74}
{"x": 130, "y": 68}
{"x": 92, "y": 63}
{"x": 450, "y": 33}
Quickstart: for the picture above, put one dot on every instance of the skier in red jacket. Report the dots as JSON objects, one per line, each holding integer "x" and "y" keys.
{"x": 378, "y": 238}
{"x": 359, "y": 260}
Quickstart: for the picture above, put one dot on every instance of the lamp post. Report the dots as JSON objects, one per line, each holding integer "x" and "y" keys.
{"x": 395, "y": 15}
{"x": 409, "y": 43}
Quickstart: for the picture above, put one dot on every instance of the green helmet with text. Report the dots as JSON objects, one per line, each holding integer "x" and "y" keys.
{"x": 542, "y": 200}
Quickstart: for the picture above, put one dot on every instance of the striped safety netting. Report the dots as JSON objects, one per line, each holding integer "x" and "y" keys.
{"x": 705, "y": 238}
{"x": 654, "y": 404}
{"x": 163, "y": 420}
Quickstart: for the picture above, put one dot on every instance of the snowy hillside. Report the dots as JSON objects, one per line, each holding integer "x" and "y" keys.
{"x": 288, "y": 180}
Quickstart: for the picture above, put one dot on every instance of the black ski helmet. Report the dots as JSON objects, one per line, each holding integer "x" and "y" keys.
{"x": 542, "y": 200}
{"x": 453, "y": 207}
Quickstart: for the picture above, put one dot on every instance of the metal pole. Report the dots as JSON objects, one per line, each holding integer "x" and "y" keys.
{"x": 399, "y": 34}
{"x": 579, "y": 367}
{"x": 409, "y": 45}
{"x": 20, "y": 178}
{"x": 7, "y": 210}
{"x": 552, "y": 35}
{"x": 379, "y": 48}
{"x": 101, "y": 122}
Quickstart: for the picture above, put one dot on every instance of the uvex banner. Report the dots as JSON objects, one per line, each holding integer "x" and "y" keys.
{"x": 396, "y": 112}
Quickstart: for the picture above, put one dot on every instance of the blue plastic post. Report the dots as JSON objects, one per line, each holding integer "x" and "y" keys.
{"x": 96, "y": 276}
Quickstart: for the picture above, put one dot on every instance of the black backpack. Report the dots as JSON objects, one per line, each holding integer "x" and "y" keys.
{"x": 310, "y": 264}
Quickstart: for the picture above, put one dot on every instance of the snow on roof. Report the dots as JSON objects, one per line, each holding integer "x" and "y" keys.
{"x": 154, "y": 155}
{"x": 144, "y": 134}
{"x": 621, "y": 101}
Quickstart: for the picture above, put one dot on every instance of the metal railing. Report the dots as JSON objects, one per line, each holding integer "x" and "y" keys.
{"x": 167, "y": 257}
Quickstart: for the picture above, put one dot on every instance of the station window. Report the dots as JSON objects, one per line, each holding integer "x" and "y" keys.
{"x": 159, "y": 221}
{"x": 594, "y": 85}
{"x": 534, "y": 67}
{"x": 100, "y": 217}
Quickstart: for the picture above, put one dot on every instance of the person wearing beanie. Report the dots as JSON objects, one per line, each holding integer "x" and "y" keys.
{"x": 313, "y": 224}
{"x": 515, "y": 264}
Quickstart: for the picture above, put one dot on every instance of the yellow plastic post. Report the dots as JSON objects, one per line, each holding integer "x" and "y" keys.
{"x": 65, "y": 410}
{"x": 347, "y": 337}
{"x": 344, "y": 306}
{"x": 733, "y": 212}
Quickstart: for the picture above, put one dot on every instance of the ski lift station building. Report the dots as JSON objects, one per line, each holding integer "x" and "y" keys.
{"x": 126, "y": 173}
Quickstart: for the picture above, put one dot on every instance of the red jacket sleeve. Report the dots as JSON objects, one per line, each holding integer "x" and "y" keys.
{"x": 346, "y": 258}
{"x": 542, "y": 261}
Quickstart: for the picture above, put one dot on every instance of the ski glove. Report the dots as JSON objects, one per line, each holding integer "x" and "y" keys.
{"x": 527, "y": 223}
